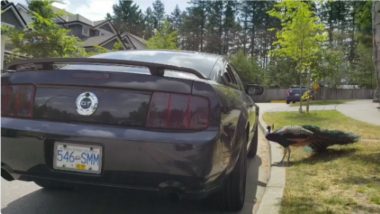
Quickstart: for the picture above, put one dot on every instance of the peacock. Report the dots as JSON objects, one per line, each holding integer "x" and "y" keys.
{"x": 307, "y": 135}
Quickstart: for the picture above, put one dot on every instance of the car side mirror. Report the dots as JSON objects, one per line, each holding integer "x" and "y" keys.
{"x": 253, "y": 89}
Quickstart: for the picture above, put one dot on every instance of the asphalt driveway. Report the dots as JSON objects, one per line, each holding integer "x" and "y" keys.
{"x": 26, "y": 197}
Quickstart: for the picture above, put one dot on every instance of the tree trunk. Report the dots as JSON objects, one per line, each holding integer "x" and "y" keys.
{"x": 331, "y": 29}
{"x": 300, "y": 108}
{"x": 253, "y": 41}
{"x": 309, "y": 87}
{"x": 376, "y": 46}
{"x": 352, "y": 43}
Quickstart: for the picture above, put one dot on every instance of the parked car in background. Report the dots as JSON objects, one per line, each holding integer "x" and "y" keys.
{"x": 295, "y": 93}
{"x": 171, "y": 121}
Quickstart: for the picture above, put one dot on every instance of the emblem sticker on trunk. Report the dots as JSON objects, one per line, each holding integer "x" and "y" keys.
{"x": 86, "y": 102}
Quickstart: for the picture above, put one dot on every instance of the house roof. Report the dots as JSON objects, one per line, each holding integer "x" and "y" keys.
{"x": 141, "y": 40}
{"x": 69, "y": 17}
{"x": 96, "y": 23}
{"x": 5, "y": 6}
{"x": 97, "y": 40}
{"x": 137, "y": 42}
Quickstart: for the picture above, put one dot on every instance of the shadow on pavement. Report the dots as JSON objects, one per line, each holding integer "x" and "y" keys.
{"x": 118, "y": 201}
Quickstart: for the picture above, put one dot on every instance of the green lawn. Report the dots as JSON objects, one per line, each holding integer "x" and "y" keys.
{"x": 322, "y": 102}
{"x": 345, "y": 179}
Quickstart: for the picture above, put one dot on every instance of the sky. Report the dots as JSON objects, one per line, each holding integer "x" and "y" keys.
{"x": 97, "y": 9}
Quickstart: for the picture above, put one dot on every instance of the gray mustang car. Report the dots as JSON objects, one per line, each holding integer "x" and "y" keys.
{"x": 171, "y": 121}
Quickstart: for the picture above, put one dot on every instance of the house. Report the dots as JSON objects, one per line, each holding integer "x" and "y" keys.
{"x": 10, "y": 17}
{"x": 93, "y": 33}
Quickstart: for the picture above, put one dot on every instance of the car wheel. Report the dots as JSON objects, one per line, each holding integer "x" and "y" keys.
{"x": 232, "y": 194}
{"x": 294, "y": 101}
{"x": 252, "y": 151}
{"x": 287, "y": 102}
{"x": 46, "y": 184}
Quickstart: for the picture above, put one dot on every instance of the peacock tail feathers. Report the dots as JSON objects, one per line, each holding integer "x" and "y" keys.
{"x": 313, "y": 136}
{"x": 324, "y": 138}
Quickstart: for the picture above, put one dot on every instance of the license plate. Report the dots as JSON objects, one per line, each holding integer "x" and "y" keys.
{"x": 77, "y": 157}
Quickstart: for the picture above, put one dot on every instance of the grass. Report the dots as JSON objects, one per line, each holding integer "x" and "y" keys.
{"x": 322, "y": 102}
{"x": 345, "y": 179}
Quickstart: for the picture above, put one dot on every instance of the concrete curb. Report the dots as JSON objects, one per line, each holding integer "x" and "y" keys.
{"x": 264, "y": 174}
{"x": 271, "y": 200}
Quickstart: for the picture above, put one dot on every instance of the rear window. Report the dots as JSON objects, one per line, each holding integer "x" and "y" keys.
{"x": 294, "y": 90}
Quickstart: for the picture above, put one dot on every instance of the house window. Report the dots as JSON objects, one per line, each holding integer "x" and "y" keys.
{"x": 85, "y": 31}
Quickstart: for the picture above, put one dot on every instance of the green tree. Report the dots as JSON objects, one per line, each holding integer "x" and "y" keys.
{"x": 117, "y": 46}
{"x": 96, "y": 50}
{"x": 245, "y": 14}
{"x": 246, "y": 66}
{"x": 158, "y": 13}
{"x": 198, "y": 18}
{"x": 214, "y": 27}
{"x": 194, "y": 26}
{"x": 229, "y": 24}
{"x": 331, "y": 66}
{"x": 127, "y": 17}
{"x": 333, "y": 14}
{"x": 44, "y": 38}
{"x": 300, "y": 38}
{"x": 256, "y": 23}
{"x": 165, "y": 38}
{"x": 149, "y": 23}
{"x": 364, "y": 23}
{"x": 176, "y": 18}
{"x": 280, "y": 72}
{"x": 361, "y": 69}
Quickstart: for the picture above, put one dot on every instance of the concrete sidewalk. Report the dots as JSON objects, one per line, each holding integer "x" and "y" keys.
{"x": 363, "y": 110}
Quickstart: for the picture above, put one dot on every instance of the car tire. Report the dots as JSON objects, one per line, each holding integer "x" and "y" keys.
{"x": 232, "y": 194}
{"x": 54, "y": 185}
{"x": 252, "y": 150}
{"x": 287, "y": 102}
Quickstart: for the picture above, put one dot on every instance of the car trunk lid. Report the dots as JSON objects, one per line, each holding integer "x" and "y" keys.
{"x": 122, "y": 98}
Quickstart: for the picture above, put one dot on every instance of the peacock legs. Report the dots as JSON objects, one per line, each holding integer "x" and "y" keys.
{"x": 283, "y": 157}
{"x": 287, "y": 151}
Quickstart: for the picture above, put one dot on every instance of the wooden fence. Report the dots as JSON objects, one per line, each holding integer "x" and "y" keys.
{"x": 324, "y": 94}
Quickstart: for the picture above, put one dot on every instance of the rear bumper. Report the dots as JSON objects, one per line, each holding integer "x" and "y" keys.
{"x": 135, "y": 159}
{"x": 293, "y": 98}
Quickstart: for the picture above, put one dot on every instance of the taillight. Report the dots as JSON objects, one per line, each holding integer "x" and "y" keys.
{"x": 17, "y": 100}
{"x": 177, "y": 111}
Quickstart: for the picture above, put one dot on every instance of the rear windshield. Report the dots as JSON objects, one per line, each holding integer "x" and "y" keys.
{"x": 297, "y": 90}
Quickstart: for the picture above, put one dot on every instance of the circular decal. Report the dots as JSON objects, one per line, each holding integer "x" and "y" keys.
{"x": 86, "y": 102}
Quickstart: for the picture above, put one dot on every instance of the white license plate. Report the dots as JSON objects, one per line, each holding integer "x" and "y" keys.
{"x": 77, "y": 157}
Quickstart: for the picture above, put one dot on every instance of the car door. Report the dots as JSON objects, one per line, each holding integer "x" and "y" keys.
{"x": 249, "y": 104}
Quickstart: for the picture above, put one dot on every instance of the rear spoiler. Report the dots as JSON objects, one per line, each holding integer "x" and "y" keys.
{"x": 48, "y": 64}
